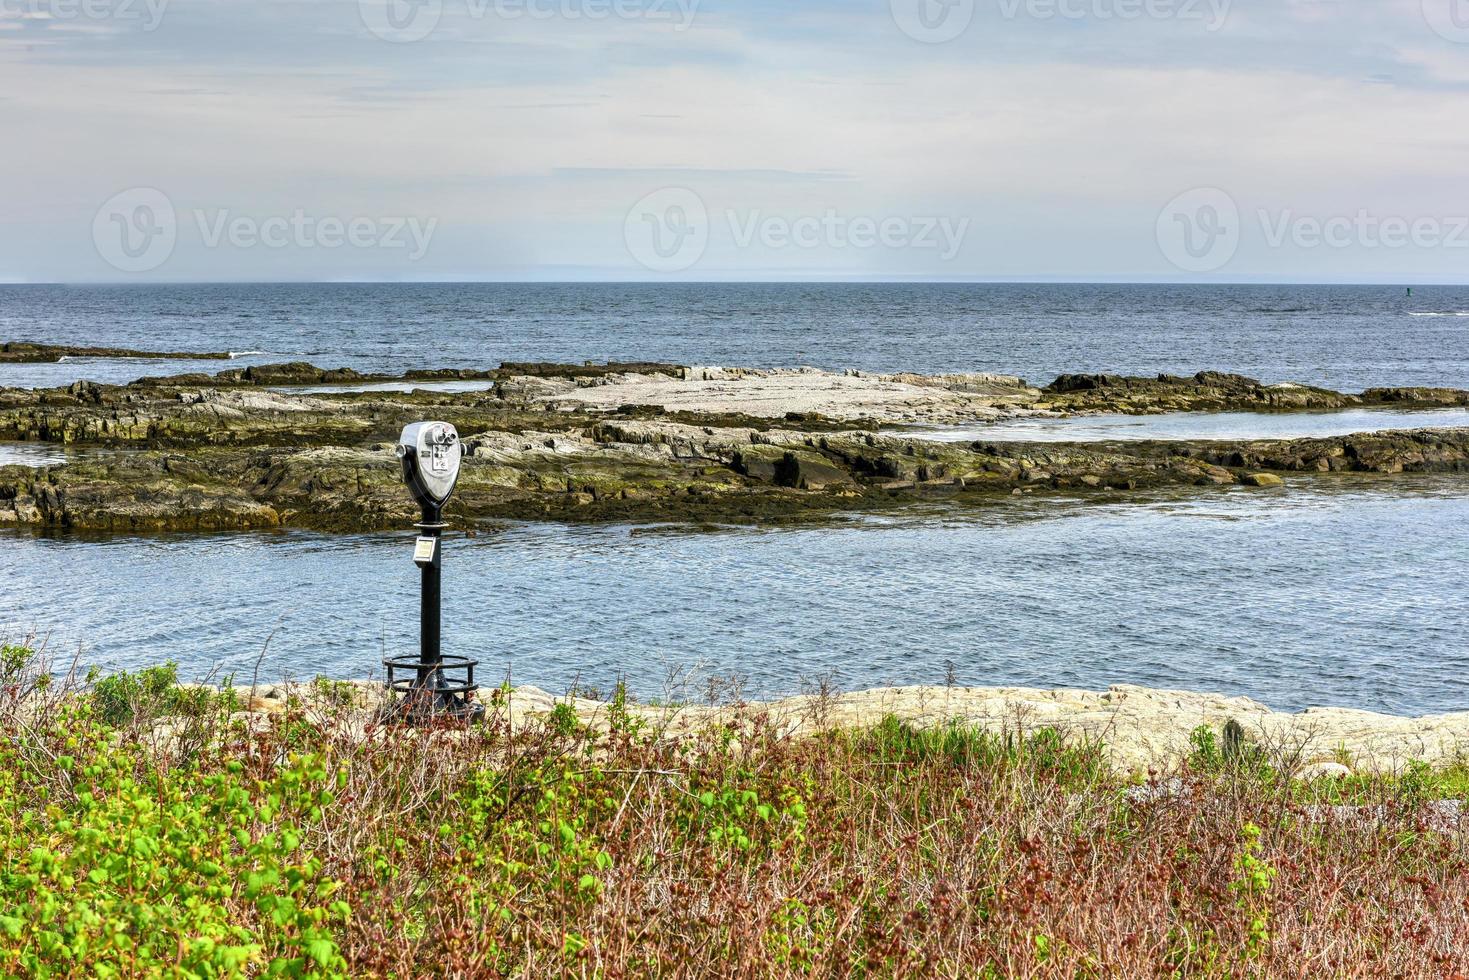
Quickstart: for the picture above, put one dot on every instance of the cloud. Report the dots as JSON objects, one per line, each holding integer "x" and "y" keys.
{"x": 1058, "y": 138}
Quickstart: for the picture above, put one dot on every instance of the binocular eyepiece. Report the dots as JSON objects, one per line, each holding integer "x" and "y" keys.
{"x": 431, "y": 454}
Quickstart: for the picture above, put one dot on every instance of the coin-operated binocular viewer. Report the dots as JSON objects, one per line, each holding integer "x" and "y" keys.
{"x": 433, "y": 685}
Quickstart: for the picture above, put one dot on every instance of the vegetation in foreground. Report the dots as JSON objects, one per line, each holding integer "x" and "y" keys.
{"x": 215, "y": 843}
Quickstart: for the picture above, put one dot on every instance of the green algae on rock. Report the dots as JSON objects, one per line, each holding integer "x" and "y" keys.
{"x": 1213, "y": 391}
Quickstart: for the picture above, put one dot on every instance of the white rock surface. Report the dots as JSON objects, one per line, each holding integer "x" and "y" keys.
{"x": 774, "y": 394}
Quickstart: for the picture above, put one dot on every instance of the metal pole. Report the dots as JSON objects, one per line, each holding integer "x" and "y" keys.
{"x": 430, "y": 649}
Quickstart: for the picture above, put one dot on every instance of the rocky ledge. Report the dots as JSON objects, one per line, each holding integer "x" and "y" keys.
{"x": 24, "y": 352}
{"x": 1141, "y": 729}
{"x": 246, "y": 448}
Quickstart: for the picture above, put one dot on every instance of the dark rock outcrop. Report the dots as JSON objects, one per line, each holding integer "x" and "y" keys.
{"x": 23, "y": 352}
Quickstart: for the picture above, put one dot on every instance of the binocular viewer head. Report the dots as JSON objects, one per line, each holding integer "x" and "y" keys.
{"x": 431, "y": 454}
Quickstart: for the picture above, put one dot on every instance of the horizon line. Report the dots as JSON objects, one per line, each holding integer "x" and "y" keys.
{"x": 1398, "y": 284}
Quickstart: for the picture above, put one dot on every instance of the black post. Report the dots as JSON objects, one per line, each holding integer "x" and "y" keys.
{"x": 430, "y": 625}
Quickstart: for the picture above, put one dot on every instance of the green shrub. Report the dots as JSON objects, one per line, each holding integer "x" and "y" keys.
{"x": 965, "y": 746}
{"x": 1205, "y": 756}
{"x": 151, "y": 693}
{"x": 341, "y": 694}
{"x": 124, "y": 697}
{"x": 1234, "y": 755}
{"x": 14, "y": 659}
{"x": 563, "y": 720}
{"x": 163, "y": 874}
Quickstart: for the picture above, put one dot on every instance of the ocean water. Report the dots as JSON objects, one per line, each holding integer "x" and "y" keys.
{"x": 38, "y": 454}
{"x": 1344, "y": 337}
{"x": 1199, "y": 425}
{"x": 1351, "y": 596}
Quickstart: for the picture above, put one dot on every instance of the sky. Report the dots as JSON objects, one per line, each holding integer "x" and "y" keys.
{"x": 424, "y": 140}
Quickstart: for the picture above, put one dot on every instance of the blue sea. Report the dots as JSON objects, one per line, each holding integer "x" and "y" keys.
{"x": 1344, "y": 337}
